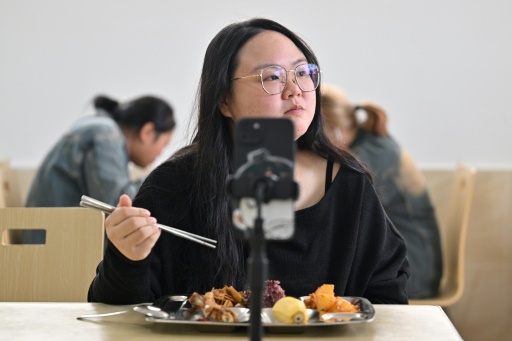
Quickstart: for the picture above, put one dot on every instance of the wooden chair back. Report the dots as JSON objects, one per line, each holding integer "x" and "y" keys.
{"x": 59, "y": 270}
{"x": 15, "y": 184}
{"x": 453, "y": 238}
{"x": 24, "y": 177}
{"x": 4, "y": 166}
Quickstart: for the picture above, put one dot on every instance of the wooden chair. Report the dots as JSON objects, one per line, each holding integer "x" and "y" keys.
{"x": 61, "y": 269}
{"x": 453, "y": 239}
{"x": 4, "y": 166}
{"x": 2, "y": 191}
{"x": 15, "y": 184}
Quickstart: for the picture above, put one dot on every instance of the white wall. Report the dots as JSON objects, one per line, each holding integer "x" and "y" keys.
{"x": 441, "y": 68}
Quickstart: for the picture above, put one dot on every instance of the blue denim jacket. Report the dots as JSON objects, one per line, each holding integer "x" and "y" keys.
{"x": 91, "y": 159}
{"x": 402, "y": 191}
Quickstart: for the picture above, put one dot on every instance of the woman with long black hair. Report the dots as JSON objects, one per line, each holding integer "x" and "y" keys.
{"x": 342, "y": 235}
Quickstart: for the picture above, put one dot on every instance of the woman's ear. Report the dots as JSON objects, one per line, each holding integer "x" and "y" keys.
{"x": 147, "y": 132}
{"x": 224, "y": 107}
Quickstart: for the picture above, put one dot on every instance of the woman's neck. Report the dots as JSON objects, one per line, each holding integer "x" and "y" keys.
{"x": 310, "y": 175}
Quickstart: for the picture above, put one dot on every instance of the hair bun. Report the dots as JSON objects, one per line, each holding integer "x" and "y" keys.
{"x": 106, "y": 103}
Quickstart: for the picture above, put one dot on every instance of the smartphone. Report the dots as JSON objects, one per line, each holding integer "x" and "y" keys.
{"x": 264, "y": 148}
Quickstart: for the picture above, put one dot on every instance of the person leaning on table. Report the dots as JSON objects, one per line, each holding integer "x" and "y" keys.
{"x": 342, "y": 235}
{"x": 92, "y": 157}
{"x": 399, "y": 183}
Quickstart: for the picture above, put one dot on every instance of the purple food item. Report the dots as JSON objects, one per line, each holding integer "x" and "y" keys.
{"x": 272, "y": 293}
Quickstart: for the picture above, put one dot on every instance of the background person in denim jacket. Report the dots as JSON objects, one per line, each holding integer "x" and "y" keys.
{"x": 92, "y": 158}
{"x": 399, "y": 183}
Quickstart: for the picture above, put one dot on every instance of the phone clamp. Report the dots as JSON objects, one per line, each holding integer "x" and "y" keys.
{"x": 263, "y": 177}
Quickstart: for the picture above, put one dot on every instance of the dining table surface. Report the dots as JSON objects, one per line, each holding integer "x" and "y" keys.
{"x": 58, "y": 321}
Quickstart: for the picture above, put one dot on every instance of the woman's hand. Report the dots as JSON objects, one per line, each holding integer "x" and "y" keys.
{"x": 132, "y": 230}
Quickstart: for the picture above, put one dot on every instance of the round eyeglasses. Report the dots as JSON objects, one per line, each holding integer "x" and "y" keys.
{"x": 273, "y": 78}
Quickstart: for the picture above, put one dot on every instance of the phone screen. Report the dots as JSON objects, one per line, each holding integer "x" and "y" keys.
{"x": 273, "y": 140}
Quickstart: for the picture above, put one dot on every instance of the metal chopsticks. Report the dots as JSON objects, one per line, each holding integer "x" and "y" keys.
{"x": 99, "y": 205}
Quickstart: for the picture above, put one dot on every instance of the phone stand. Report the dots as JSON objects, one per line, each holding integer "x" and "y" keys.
{"x": 264, "y": 177}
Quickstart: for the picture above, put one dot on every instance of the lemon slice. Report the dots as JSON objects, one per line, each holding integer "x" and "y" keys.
{"x": 290, "y": 310}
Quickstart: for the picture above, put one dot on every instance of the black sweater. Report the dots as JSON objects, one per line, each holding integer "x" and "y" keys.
{"x": 345, "y": 239}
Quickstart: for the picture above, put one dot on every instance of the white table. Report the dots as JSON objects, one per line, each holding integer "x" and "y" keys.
{"x": 57, "y": 321}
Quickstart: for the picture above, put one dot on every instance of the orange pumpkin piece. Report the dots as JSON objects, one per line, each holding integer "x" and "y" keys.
{"x": 324, "y": 301}
{"x": 342, "y": 305}
{"x": 327, "y": 289}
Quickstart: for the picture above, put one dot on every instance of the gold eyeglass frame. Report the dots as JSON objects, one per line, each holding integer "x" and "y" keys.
{"x": 286, "y": 80}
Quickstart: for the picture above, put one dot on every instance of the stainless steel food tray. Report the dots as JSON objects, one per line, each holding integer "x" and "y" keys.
{"x": 188, "y": 317}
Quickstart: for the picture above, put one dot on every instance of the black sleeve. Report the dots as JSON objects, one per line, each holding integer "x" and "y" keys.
{"x": 382, "y": 252}
{"x": 120, "y": 280}
{"x": 392, "y": 271}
